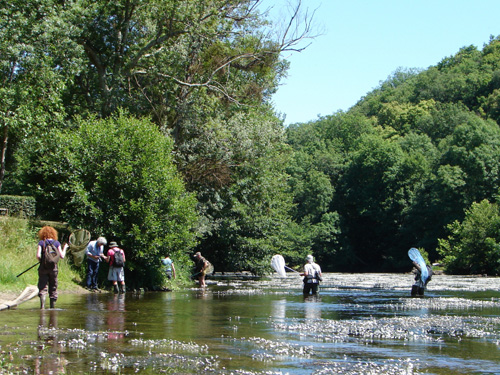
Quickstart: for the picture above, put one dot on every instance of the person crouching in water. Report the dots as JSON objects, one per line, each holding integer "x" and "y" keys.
{"x": 420, "y": 284}
{"x": 312, "y": 276}
{"x": 116, "y": 260}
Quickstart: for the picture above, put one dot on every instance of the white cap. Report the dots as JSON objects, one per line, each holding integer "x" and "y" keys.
{"x": 310, "y": 258}
{"x": 102, "y": 240}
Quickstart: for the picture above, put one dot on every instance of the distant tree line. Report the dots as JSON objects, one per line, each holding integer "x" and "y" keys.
{"x": 414, "y": 163}
{"x": 150, "y": 122}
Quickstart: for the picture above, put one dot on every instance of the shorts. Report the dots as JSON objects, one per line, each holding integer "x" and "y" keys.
{"x": 116, "y": 274}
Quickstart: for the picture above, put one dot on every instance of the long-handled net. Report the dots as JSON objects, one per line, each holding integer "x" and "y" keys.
{"x": 415, "y": 256}
{"x": 278, "y": 263}
{"x": 210, "y": 268}
{"x": 78, "y": 241}
{"x": 27, "y": 294}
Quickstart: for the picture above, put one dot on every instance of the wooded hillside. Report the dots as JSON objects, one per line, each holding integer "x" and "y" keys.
{"x": 404, "y": 166}
{"x": 149, "y": 122}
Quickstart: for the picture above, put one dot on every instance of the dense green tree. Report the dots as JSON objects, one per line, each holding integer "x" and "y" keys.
{"x": 248, "y": 216}
{"x": 34, "y": 46}
{"x": 204, "y": 73}
{"x": 473, "y": 245}
{"x": 357, "y": 188}
{"x": 116, "y": 177}
{"x": 474, "y": 148}
{"x": 322, "y": 153}
{"x": 162, "y": 57}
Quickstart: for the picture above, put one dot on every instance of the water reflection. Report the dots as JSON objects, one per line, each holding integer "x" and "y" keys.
{"x": 366, "y": 324}
{"x": 49, "y": 360}
{"x": 115, "y": 320}
{"x": 279, "y": 309}
{"x": 312, "y": 307}
{"x": 94, "y": 320}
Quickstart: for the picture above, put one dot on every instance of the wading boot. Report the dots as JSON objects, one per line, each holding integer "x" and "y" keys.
{"x": 115, "y": 288}
{"x": 122, "y": 288}
{"x": 414, "y": 290}
{"x": 42, "y": 302}
{"x": 52, "y": 303}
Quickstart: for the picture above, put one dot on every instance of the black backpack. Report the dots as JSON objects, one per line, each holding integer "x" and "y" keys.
{"x": 50, "y": 255}
{"x": 119, "y": 259}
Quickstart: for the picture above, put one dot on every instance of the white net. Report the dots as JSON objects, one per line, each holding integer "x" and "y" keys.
{"x": 278, "y": 263}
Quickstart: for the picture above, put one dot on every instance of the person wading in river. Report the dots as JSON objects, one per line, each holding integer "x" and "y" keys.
{"x": 94, "y": 252}
{"x": 47, "y": 271}
{"x": 116, "y": 260}
{"x": 201, "y": 266}
{"x": 169, "y": 267}
{"x": 312, "y": 276}
{"x": 418, "y": 288}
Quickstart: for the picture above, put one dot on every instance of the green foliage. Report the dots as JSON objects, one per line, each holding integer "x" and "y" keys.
{"x": 18, "y": 206}
{"x": 473, "y": 245}
{"x": 203, "y": 72}
{"x": 31, "y": 77}
{"x": 156, "y": 58}
{"x": 18, "y": 249}
{"x": 357, "y": 188}
{"x": 245, "y": 200}
{"x": 404, "y": 163}
{"x": 116, "y": 178}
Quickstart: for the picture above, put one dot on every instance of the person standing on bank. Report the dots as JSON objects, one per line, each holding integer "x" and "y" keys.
{"x": 116, "y": 260}
{"x": 94, "y": 252}
{"x": 169, "y": 267}
{"x": 47, "y": 271}
{"x": 201, "y": 265}
{"x": 312, "y": 276}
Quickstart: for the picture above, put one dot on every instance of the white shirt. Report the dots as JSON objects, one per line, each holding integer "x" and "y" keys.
{"x": 311, "y": 269}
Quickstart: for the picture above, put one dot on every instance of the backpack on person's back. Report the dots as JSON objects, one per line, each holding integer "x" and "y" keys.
{"x": 119, "y": 258}
{"x": 50, "y": 255}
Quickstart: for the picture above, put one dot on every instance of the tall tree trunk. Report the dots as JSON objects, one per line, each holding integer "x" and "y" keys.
{"x": 4, "y": 153}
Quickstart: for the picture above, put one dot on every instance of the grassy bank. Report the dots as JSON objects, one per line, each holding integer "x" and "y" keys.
{"x": 18, "y": 252}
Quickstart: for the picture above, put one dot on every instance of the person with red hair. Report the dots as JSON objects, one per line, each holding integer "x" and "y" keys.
{"x": 47, "y": 274}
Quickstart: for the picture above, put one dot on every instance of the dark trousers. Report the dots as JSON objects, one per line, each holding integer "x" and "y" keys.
{"x": 47, "y": 282}
{"x": 417, "y": 290}
{"x": 92, "y": 270}
{"x": 311, "y": 287}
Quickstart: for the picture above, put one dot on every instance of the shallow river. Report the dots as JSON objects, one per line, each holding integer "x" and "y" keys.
{"x": 360, "y": 324}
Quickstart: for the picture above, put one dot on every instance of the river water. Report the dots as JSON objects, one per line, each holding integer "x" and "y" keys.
{"x": 359, "y": 324}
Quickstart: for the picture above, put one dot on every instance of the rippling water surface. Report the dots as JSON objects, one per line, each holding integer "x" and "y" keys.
{"x": 359, "y": 324}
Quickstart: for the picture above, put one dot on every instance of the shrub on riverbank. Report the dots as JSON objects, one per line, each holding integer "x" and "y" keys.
{"x": 18, "y": 252}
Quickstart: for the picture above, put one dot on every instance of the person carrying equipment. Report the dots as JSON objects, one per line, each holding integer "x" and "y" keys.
{"x": 116, "y": 260}
{"x": 48, "y": 254}
{"x": 419, "y": 287}
{"x": 423, "y": 274}
{"x": 201, "y": 267}
{"x": 312, "y": 276}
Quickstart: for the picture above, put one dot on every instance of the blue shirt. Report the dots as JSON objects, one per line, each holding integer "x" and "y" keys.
{"x": 168, "y": 263}
{"x": 93, "y": 249}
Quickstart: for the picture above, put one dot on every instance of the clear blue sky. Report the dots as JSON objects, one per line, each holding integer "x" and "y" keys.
{"x": 365, "y": 41}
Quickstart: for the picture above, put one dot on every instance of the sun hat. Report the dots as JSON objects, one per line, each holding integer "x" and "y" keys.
{"x": 113, "y": 244}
